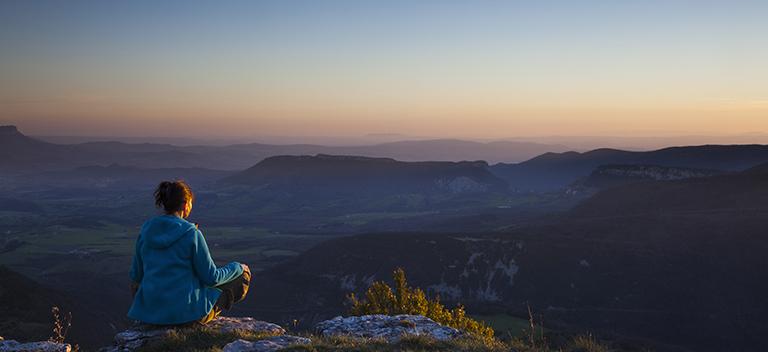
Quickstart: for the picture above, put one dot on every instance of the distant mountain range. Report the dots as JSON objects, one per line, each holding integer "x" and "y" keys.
{"x": 550, "y": 171}
{"x": 553, "y": 171}
{"x": 25, "y": 153}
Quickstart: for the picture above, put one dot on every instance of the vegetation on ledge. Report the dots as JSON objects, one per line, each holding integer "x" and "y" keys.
{"x": 382, "y": 299}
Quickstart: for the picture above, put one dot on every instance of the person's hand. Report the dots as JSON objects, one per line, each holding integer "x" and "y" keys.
{"x": 134, "y": 288}
{"x": 245, "y": 268}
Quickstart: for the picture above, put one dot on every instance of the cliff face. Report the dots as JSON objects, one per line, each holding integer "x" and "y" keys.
{"x": 607, "y": 176}
{"x": 648, "y": 172}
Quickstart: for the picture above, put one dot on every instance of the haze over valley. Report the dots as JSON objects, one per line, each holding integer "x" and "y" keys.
{"x": 607, "y": 241}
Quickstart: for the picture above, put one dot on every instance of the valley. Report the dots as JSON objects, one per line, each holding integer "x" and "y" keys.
{"x": 662, "y": 249}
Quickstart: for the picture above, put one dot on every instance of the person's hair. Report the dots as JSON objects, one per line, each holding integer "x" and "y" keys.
{"x": 173, "y": 195}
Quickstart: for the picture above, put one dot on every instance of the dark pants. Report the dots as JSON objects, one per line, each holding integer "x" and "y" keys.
{"x": 231, "y": 293}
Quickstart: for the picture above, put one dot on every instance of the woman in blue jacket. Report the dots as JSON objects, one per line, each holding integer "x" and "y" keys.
{"x": 175, "y": 281}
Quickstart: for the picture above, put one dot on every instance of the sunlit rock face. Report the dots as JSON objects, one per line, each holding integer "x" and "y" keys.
{"x": 653, "y": 172}
{"x": 389, "y": 328}
{"x": 616, "y": 175}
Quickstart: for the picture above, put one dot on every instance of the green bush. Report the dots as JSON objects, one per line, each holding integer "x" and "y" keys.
{"x": 381, "y": 299}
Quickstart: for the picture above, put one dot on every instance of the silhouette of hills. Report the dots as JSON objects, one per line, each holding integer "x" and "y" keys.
{"x": 26, "y": 153}
{"x": 18, "y": 150}
{"x": 357, "y": 175}
{"x": 552, "y": 171}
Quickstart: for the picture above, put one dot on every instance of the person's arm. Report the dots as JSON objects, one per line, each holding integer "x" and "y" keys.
{"x": 206, "y": 269}
{"x": 137, "y": 268}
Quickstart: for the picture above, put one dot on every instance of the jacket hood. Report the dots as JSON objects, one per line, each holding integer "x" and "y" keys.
{"x": 163, "y": 231}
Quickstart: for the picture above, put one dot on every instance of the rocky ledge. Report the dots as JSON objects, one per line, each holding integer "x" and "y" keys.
{"x": 273, "y": 343}
{"x": 269, "y": 337}
{"x": 389, "y": 328}
{"x": 275, "y": 338}
{"x": 41, "y": 346}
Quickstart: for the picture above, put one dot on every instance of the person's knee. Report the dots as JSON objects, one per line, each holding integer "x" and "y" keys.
{"x": 246, "y": 276}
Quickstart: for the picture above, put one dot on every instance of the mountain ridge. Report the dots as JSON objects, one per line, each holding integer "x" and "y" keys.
{"x": 555, "y": 171}
{"x": 23, "y": 155}
{"x": 365, "y": 175}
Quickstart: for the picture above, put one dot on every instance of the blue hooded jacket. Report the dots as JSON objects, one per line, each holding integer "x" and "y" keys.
{"x": 177, "y": 276}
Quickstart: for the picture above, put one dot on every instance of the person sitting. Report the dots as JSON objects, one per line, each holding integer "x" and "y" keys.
{"x": 174, "y": 278}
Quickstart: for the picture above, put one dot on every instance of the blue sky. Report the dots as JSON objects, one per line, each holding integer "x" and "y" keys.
{"x": 443, "y": 68}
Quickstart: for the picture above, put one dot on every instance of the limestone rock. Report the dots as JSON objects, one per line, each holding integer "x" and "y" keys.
{"x": 266, "y": 345}
{"x": 389, "y": 328}
{"x": 138, "y": 336}
{"x": 41, "y": 346}
{"x": 227, "y": 324}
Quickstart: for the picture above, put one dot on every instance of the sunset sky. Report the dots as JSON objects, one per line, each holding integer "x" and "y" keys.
{"x": 480, "y": 69}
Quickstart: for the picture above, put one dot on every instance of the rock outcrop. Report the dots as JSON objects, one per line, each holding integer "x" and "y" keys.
{"x": 227, "y": 324}
{"x": 135, "y": 338}
{"x": 273, "y": 338}
{"x": 266, "y": 345}
{"x": 389, "y": 328}
{"x": 40, "y": 346}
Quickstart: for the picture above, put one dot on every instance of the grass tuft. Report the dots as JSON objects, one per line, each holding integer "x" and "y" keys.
{"x": 586, "y": 343}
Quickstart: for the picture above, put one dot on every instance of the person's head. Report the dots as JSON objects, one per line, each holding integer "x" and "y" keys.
{"x": 174, "y": 197}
